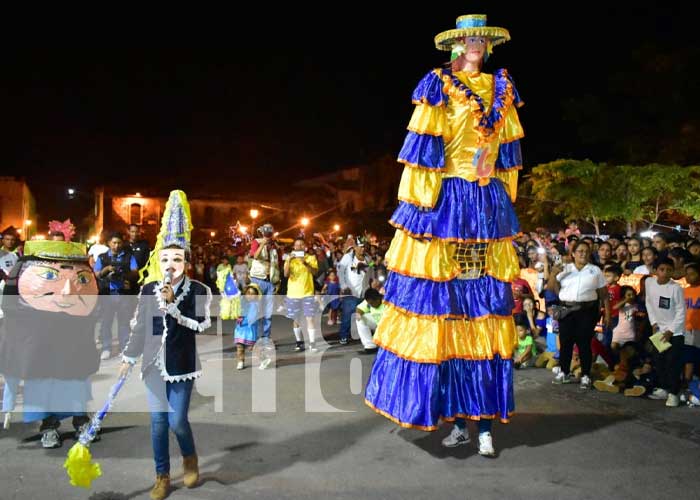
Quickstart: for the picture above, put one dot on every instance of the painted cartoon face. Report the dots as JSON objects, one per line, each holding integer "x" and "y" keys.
{"x": 475, "y": 48}
{"x": 67, "y": 287}
{"x": 172, "y": 260}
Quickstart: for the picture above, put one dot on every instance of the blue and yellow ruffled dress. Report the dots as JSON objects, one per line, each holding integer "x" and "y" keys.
{"x": 447, "y": 337}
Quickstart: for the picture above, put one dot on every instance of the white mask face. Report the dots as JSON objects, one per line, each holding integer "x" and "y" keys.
{"x": 172, "y": 260}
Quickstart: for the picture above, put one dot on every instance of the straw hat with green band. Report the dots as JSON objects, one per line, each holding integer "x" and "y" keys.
{"x": 56, "y": 250}
{"x": 471, "y": 25}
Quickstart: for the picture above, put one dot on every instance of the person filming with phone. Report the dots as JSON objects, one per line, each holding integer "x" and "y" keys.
{"x": 300, "y": 269}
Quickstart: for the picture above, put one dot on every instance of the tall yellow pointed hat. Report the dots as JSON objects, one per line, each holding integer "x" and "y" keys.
{"x": 175, "y": 229}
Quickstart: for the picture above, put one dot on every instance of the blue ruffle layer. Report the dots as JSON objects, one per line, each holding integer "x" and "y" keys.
{"x": 472, "y": 298}
{"x": 423, "y": 150}
{"x": 509, "y": 155}
{"x": 464, "y": 211}
{"x": 419, "y": 394}
{"x": 429, "y": 90}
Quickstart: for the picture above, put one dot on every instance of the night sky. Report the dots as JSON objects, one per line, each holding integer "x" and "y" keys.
{"x": 277, "y": 98}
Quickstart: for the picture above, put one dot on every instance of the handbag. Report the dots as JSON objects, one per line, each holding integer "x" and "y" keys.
{"x": 560, "y": 311}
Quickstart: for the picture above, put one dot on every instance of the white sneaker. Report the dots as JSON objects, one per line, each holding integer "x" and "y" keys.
{"x": 486, "y": 445}
{"x": 672, "y": 401}
{"x": 240, "y": 365}
{"x": 457, "y": 437}
{"x": 659, "y": 393}
{"x": 585, "y": 382}
{"x": 693, "y": 401}
{"x": 105, "y": 355}
{"x": 563, "y": 378}
{"x": 556, "y": 370}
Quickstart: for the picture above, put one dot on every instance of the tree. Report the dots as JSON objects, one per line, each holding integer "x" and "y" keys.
{"x": 575, "y": 189}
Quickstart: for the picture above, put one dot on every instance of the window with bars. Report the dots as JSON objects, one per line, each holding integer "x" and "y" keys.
{"x": 471, "y": 258}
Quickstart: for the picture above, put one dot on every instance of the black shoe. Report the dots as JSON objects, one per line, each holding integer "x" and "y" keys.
{"x": 373, "y": 350}
{"x": 299, "y": 347}
{"x": 344, "y": 341}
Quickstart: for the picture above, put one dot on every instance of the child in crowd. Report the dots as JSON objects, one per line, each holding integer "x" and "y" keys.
{"x": 536, "y": 319}
{"x": 246, "y": 331}
{"x": 612, "y": 275}
{"x": 526, "y": 349}
{"x": 691, "y": 349}
{"x": 666, "y": 309}
{"x": 550, "y": 357}
{"x": 331, "y": 286}
{"x": 626, "y": 330}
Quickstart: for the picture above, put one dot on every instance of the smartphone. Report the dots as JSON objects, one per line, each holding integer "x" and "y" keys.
{"x": 298, "y": 253}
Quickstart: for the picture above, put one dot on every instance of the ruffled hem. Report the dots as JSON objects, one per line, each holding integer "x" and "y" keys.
{"x": 464, "y": 211}
{"x": 418, "y": 395}
{"x": 461, "y": 298}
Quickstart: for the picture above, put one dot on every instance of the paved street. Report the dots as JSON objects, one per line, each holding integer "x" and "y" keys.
{"x": 561, "y": 444}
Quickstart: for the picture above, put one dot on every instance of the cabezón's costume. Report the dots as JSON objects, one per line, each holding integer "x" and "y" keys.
{"x": 447, "y": 336}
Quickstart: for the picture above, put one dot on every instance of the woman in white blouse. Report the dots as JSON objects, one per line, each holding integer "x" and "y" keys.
{"x": 581, "y": 288}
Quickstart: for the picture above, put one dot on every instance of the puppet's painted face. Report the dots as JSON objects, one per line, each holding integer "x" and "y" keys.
{"x": 173, "y": 260}
{"x": 68, "y": 287}
{"x": 475, "y": 48}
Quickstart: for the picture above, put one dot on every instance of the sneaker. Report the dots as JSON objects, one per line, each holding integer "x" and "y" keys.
{"x": 659, "y": 393}
{"x": 51, "y": 439}
{"x": 693, "y": 401}
{"x": 343, "y": 341}
{"x": 265, "y": 363}
{"x": 370, "y": 350}
{"x": 683, "y": 397}
{"x": 240, "y": 365}
{"x": 457, "y": 437}
{"x": 486, "y": 445}
{"x": 606, "y": 385}
{"x": 585, "y": 383}
{"x": 672, "y": 401}
{"x": 556, "y": 370}
{"x": 636, "y": 391}
{"x": 105, "y": 355}
{"x": 299, "y": 347}
{"x": 563, "y": 378}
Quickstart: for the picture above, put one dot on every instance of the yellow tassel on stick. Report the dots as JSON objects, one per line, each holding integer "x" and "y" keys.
{"x": 80, "y": 467}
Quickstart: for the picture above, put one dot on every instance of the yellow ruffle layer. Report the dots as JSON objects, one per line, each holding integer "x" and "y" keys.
{"x": 434, "y": 340}
{"x": 433, "y": 259}
{"x": 420, "y": 186}
{"x": 509, "y": 178}
{"x": 428, "y": 120}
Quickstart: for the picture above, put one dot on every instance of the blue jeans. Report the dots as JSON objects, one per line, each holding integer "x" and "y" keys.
{"x": 268, "y": 290}
{"x": 484, "y": 424}
{"x": 120, "y": 306}
{"x": 348, "y": 305}
{"x": 173, "y": 417}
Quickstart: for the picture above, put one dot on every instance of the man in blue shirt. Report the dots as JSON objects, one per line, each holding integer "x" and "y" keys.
{"x": 117, "y": 272}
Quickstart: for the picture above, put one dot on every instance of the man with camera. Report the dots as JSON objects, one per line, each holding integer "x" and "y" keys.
{"x": 117, "y": 273}
{"x": 354, "y": 277}
{"x": 300, "y": 268}
{"x": 264, "y": 271}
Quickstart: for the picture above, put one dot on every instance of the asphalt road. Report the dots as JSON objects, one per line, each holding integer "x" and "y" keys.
{"x": 562, "y": 443}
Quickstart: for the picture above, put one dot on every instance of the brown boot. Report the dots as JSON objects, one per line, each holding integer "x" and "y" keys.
{"x": 191, "y": 467}
{"x": 162, "y": 487}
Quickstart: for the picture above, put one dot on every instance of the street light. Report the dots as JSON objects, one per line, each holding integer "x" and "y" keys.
{"x": 212, "y": 234}
{"x": 304, "y": 222}
{"x": 336, "y": 228}
{"x": 253, "y": 215}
